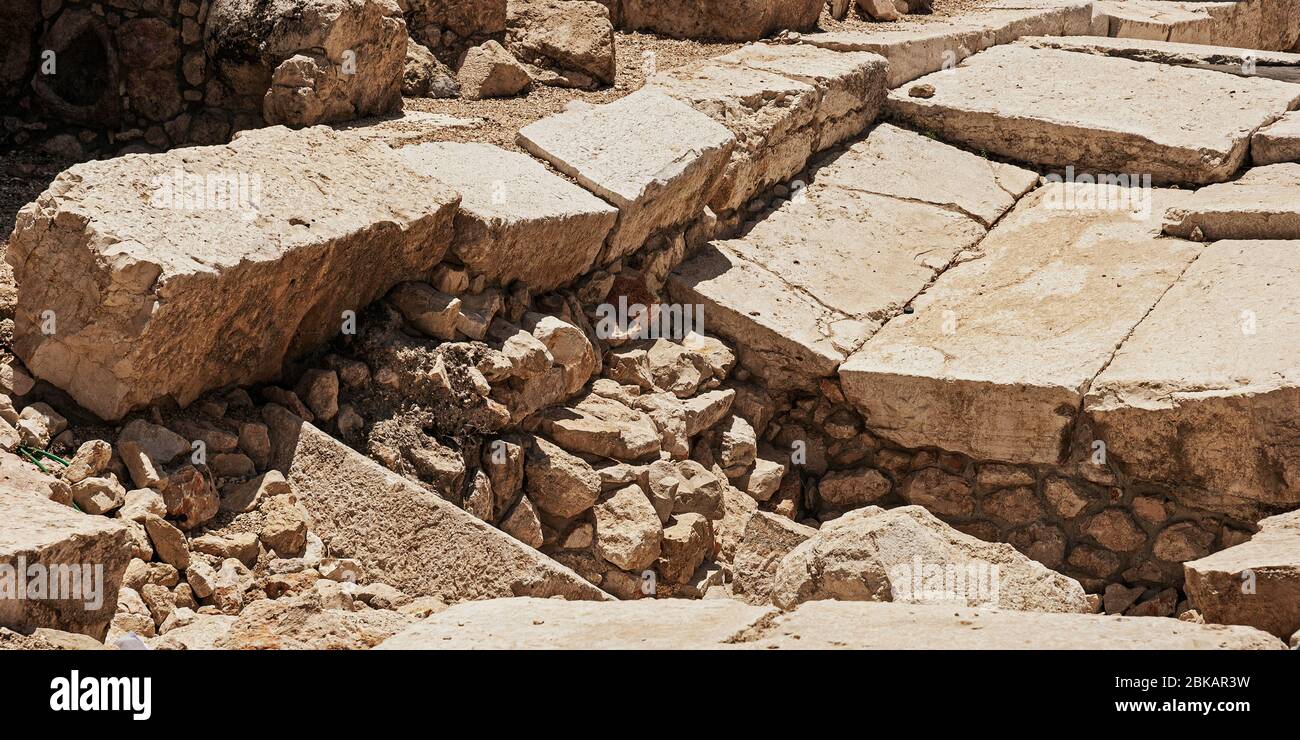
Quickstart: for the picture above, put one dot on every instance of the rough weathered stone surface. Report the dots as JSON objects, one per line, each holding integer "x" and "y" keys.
{"x": 767, "y": 539}
{"x": 1203, "y": 395}
{"x": 883, "y": 626}
{"x": 305, "y": 623}
{"x": 603, "y": 426}
{"x": 406, "y": 536}
{"x": 151, "y": 298}
{"x": 88, "y": 553}
{"x": 628, "y": 530}
{"x": 731, "y": 20}
{"x": 770, "y": 115}
{"x": 908, "y": 555}
{"x": 1277, "y": 142}
{"x": 1256, "y": 583}
{"x": 304, "y": 62}
{"x": 489, "y": 71}
{"x": 956, "y": 372}
{"x": 920, "y": 50}
{"x": 1258, "y": 24}
{"x": 574, "y": 41}
{"x": 644, "y": 624}
{"x": 851, "y": 86}
{"x": 1024, "y": 103}
{"x": 1264, "y": 203}
{"x": 517, "y": 220}
{"x": 655, "y": 158}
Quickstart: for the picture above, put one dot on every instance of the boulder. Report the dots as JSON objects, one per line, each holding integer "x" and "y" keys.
{"x": 424, "y": 76}
{"x": 628, "y": 533}
{"x": 256, "y": 276}
{"x": 602, "y": 426}
{"x": 561, "y": 484}
{"x": 908, "y": 555}
{"x": 767, "y": 539}
{"x": 489, "y": 71}
{"x": 729, "y": 20}
{"x": 572, "y": 40}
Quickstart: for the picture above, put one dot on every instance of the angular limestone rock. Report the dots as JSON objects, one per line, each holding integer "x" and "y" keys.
{"x": 1256, "y": 583}
{"x": 1134, "y": 117}
{"x": 1277, "y": 142}
{"x": 1264, "y": 203}
{"x": 907, "y": 555}
{"x": 883, "y": 626}
{"x": 767, "y": 539}
{"x": 404, "y": 535}
{"x": 517, "y": 220}
{"x": 166, "y": 275}
{"x": 1203, "y": 394}
{"x": 59, "y": 568}
{"x": 732, "y": 20}
{"x": 655, "y": 158}
{"x": 645, "y": 624}
{"x": 997, "y": 354}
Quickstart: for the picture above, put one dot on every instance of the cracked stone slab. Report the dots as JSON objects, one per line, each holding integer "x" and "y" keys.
{"x": 865, "y": 625}
{"x": 405, "y": 127}
{"x": 1137, "y": 117}
{"x": 37, "y": 533}
{"x": 789, "y": 338}
{"x": 158, "y": 289}
{"x": 1256, "y": 583}
{"x": 531, "y": 624}
{"x": 1235, "y": 60}
{"x": 998, "y": 352}
{"x": 931, "y": 47}
{"x": 771, "y": 116}
{"x": 1277, "y": 142}
{"x": 851, "y": 86}
{"x": 517, "y": 220}
{"x": 655, "y": 158}
{"x": 405, "y": 535}
{"x": 1204, "y": 394}
{"x": 1264, "y": 203}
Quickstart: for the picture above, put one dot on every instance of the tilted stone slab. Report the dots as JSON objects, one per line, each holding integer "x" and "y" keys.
{"x": 1277, "y": 142}
{"x": 1260, "y": 24}
{"x": 405, "y": 535}
{"x": 41, "y": 540}
{"x": 846, "y": 253}
{"x": 532, "y": 624}
{"x": 862, "y": 625}
{"x": 1256, "y": 583}
{"x": 732, "y": 20}
{"x": 998, "y": 352}
{"x": 930, "y": 47}
{"x": 1264, "y": 203}
{"x": 1204, "y": 394}
{"x": 167, "y": 275}
{"x": 517, "y": 221}
{"x": 789, "y": 339}
{"x": 851, "y": 86}
{"x": 771, "y": 116}
{"x": 655, "y": 158}
{"x": 1233, "y": 60}
{"x": 1137, "y": 117}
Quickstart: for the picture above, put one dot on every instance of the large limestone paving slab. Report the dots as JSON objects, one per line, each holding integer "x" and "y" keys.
{"x": 517, "y": 220}
{"x": 653, "y": 157}
{"x": 888, "y": 626}
{"x": 45, "y": 548}
{"x": 532, "y": 624}
{"x": 1231, "y": 59}
{"x": 1028, "y": 104}
{"x": 807, "y": 285}
{"x": 1264, "y": 203}
{"x": 998, "y": 352}
{"x": 166, "y": 275}
{"x": 407, "y": 536}
{"x": 851, "y": 86}
{"x": 731, "y": 20}
{"x": 1260, "y": 24}
{"x": 1205, "y": 393}
{"x": 1256, "y": 583}
{"x": 930, "y": 47}
{"x": 1277, "y": 142}
{"x": 771, "y": 116}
